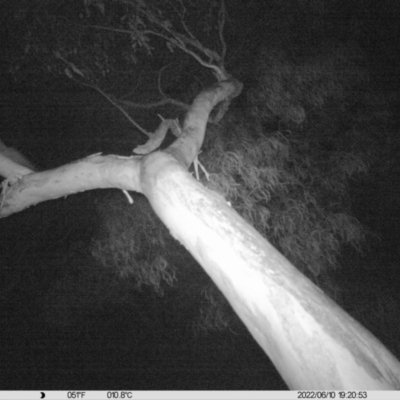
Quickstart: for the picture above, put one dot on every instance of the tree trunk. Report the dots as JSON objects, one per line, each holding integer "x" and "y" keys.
{"x": 312, "y": 342}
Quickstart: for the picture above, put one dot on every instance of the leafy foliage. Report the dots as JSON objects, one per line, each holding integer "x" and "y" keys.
{"x": 135, "y": 243}
{"x": 293, "y": 87}
{"x": 289, "y": 197}
{"x": 214, "y": 313}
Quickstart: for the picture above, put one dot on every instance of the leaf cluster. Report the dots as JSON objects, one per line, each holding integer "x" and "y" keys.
{"x": 134, "y": 243}
{"x": 101, "y": 43}
{"x": 293, "y": 87}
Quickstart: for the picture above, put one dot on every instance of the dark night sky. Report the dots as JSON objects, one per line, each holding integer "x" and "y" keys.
{"x": 115, "y": 346}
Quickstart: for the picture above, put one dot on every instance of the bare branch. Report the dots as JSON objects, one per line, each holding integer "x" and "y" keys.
{"x": 159, "y": 81}
{"x": 182, "y": 41}
{"x": 178, "y": 42}
{"x": 93, "y": 172}
{"x": 184, "y": 23}
{"x": 114, "y": 103}
{"x": 139, "y": 75}
{"x": 13, "y": 164}
{"x": 155, "y": 104}
{"x": 158, "y": 136}
{"x": 164, "y": 101}
{"x": 212, "y": 55}
{"x": 221, "y": 25}
{"x": 111, "y": 100}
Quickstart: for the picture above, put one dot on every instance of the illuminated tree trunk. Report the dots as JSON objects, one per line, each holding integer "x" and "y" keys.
{"x": 312, "y": 342}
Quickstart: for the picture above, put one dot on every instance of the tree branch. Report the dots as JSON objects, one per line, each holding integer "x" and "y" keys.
{"x": 13, "y": 165}
{"x": 187, "y": 146}
{"x": 155, "y": 104}
{"x": 221, "y": 25}
{"x": 93, "y": 172}
{"x": 181, "y": 41}
{"x": 158, "y": 136}
{"x": 177, "y": 41}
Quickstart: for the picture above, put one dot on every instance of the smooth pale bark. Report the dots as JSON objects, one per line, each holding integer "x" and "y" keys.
{"x": 93, "y": 172}
{"x": 312, "y": 342}
{"x": 13, "y": 163}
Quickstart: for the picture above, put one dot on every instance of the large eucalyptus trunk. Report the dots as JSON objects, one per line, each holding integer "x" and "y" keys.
{"x": 313, "y": 343}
